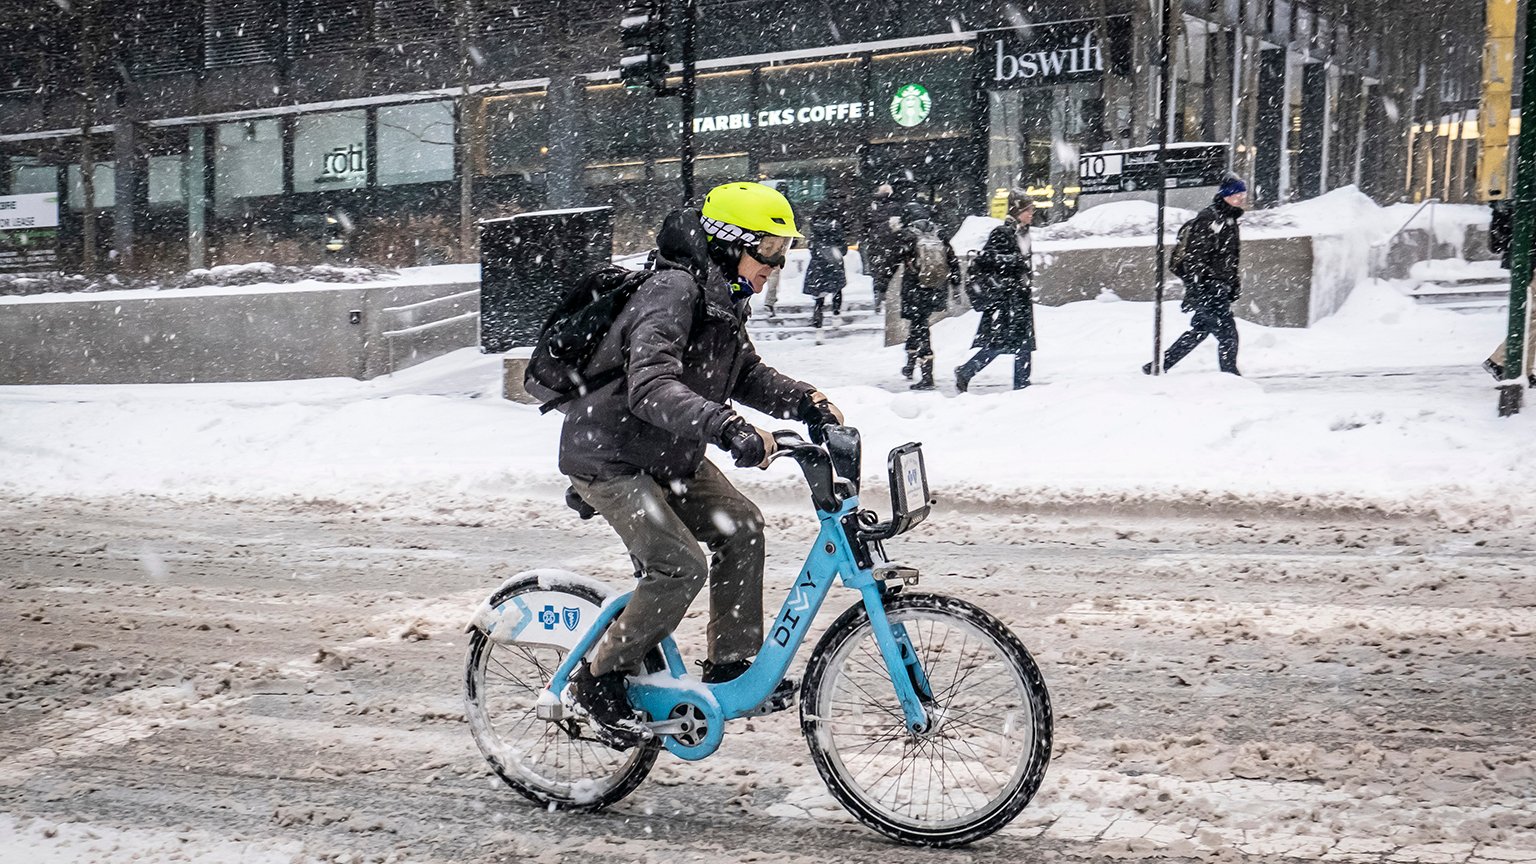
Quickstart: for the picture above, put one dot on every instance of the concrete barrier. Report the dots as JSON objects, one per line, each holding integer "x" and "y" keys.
{"x": 1287, "y": 281}
{"x": 263, "y": 334}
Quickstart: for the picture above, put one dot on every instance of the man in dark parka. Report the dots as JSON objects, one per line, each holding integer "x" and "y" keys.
{"x": 1211, "y": 279}
{"x": 1001, "y": 288}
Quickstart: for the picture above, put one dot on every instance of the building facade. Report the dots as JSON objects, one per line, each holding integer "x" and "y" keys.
{"x": 184, "y": 133}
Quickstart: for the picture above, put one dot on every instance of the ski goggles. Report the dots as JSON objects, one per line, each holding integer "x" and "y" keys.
{"x": 770, "y": 250}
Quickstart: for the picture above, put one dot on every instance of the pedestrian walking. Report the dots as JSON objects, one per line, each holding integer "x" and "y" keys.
{"x": 879, "y": 250}
{"x": 825, "y": 277}
{"x": 1206, "y": 258}
{"x": 1001, "y": 287}
{"x": 929, "y": 272}
{"x": 1501, "y": 236}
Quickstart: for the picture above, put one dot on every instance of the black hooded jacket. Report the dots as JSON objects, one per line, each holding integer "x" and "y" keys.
{"x": 1001, "y": 289}
{"x": 684, "y": 346}
{"x": 1212, "y": 255}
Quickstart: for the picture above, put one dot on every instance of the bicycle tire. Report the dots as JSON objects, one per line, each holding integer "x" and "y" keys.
{"x": 521, "y": 767}
{"x": 848, "y": 653}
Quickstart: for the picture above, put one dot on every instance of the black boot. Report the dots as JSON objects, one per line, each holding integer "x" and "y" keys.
{"x": 605, "y": 699}
{"x": 926, "y": 382}
{"x": 906, "y": 371}
{"x": 962, "y": 380}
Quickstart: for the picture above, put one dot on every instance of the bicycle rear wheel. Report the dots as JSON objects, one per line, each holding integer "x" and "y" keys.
{"x": 986, "y": 752}
{"x": 560, "y": 763}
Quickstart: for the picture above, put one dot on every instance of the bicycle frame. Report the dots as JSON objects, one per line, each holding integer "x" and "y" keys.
{"x": 830, "y": 559}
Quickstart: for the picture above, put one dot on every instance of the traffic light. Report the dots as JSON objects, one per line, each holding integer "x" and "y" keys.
{"x": 643, "y": 34}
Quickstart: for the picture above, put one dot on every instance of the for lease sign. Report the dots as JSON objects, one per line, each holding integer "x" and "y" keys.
{"x": 26, "y": 212}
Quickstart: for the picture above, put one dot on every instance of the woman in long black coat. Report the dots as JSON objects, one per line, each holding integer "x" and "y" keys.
{"x": 824, "y": 276}
{"x": 1001, "y": 287}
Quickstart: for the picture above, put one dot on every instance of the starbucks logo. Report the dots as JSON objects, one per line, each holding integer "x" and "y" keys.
{"x": 911, "y": 104}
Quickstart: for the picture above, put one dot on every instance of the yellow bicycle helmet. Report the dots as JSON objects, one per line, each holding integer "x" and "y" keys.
{"x": 751, "y": 207}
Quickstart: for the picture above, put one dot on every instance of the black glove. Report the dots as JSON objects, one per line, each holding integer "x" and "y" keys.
{"x": 817, "y": 410}
{"x": 750, "y": 445}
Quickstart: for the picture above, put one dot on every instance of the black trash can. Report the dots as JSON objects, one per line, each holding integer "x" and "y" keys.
{"x": 527, "y": 264}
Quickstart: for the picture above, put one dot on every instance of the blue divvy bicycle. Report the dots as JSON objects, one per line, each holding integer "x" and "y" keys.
{"x": 926, "y": 717}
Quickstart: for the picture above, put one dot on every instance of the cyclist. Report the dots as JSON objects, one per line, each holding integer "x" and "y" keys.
{"x": 634, "y": 450}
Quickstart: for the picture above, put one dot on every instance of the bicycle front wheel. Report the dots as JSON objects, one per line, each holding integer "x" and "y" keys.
{"x": 989, "y": 742}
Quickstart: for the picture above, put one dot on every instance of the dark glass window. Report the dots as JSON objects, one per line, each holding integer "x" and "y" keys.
{"x": 401, "y": 21}
{"x": 240, "y": 32}
{"x": 326, "y": 26}
{"x": 162, "y": 35}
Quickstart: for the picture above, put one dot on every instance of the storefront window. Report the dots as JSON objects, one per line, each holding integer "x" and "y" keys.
{"x": 167, "y": 179}
{"x": 248, "y": 160}
{"x": 28, "y": 177}
{"x": 514, "y": 133}
{"x": 104, "y": 192}
{"x": 416, "y": 143}
{"x": 722, "y": 117}
{"x": 819, "y": 99}
{"x": 921, "y": 95}
{"x": 330, "y": 151}
{"x": 616, "y": 132}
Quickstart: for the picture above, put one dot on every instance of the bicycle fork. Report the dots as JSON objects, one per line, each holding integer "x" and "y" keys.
{"x": 913, "y": 689}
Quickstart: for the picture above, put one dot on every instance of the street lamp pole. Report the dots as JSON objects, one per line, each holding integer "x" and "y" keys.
{"x": 1165, "y": 84}
{"x": 1512, "y": 389}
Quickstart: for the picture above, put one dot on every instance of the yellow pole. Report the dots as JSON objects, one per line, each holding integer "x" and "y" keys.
{"x": 1493, "y": 114}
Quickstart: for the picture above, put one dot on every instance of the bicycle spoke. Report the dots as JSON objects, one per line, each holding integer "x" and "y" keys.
{"x": 965, "y": 767}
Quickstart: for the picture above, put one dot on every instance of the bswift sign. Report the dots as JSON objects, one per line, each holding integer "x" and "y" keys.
{"x": 1052, "y": 64}
{"x": 1062, "y": 53}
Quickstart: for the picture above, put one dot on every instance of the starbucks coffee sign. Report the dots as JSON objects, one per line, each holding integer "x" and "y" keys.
{"x": 911, "y": 104}
{"x": 1049, "y": 54}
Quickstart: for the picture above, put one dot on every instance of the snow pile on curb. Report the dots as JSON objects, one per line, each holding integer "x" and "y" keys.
{"x": 1380, "y": 407}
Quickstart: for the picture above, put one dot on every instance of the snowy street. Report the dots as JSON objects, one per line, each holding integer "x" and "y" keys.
{"x": 1283, "y": 615}
{"x": 274, "y": 683}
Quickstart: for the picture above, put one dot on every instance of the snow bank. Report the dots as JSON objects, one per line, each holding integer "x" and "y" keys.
{"x": 1380, "y": 406}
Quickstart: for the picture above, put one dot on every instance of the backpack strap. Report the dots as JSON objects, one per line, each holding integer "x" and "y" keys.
{"x": 589, "y": 385}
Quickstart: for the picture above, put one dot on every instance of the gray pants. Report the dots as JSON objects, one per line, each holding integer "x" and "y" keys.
{"x": 662, "y": 524}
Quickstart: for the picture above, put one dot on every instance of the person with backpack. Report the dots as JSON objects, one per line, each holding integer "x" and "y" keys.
{"x": 1206, "y": 258}
{"x": 1000, "y": 287}
{"x": 825, "y": 276}
{"x": 633, "y": 444}
{"x": 929, "y": 272}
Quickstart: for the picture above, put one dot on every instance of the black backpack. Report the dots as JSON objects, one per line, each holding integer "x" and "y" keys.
{"x": 1178, "y": 258}
{"x": 557, "y": 371}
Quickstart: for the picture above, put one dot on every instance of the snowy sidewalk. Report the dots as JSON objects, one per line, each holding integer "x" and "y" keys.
{"x": 1380, "y": 407}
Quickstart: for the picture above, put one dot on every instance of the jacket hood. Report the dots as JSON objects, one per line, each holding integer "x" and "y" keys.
{"x": 1002, "y": 241}
{"x": 681, "y": 244}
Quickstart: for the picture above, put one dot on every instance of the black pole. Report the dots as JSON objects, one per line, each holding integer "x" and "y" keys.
{"x": 1165, "y": 84}
{"x": 685, "y": 167}
{"x": 1512, "y": 389}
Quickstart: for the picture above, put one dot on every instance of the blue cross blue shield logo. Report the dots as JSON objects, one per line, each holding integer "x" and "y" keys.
{"x": 549, "y": 618}
{"x": 572, "y": 616}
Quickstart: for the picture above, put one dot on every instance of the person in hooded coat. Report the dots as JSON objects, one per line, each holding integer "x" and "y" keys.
{"x": 824, "y": 276}
{"x": 921, "y": 249}
{"x": 634, "y": 449}
{"x": 1212, "y": 277}
{"x": 879, "y": 250}
{"x": 1001, "y": 288}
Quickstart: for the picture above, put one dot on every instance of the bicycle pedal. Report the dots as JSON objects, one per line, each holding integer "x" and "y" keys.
{"x": 774, "y": 704}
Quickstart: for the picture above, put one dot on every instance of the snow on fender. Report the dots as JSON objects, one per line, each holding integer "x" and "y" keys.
{"x": 550, "y": 616}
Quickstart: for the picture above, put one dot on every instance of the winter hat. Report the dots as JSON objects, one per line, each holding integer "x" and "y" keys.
{"x": 1233, "y": 185}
